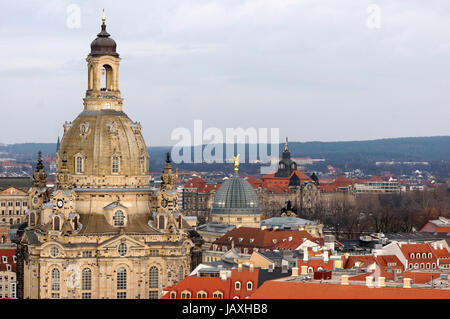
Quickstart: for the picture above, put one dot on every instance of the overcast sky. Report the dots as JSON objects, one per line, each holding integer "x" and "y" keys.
{"x": 312, "y": 68}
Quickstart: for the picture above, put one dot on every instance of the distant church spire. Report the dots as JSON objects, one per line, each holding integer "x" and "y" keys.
{"x": 57, "y": 145}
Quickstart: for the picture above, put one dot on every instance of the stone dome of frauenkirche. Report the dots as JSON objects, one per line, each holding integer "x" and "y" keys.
{"x": 235, "y": 196}
{"x": 95, "y": 138}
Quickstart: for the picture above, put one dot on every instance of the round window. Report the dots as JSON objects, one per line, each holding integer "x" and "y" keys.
{"x": 54, "y": 252}
{"x": 122, "y": 249}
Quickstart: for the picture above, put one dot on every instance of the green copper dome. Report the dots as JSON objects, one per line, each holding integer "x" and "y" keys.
{"x": 235, "y": 196}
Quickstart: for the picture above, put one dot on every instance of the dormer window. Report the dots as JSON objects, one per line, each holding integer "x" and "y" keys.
{"x": 115, "y": 164}
{"x": 418, "y": 256}
{"x": 249, "y": 285}
{"x": 237, "y": 285}
{"x": 429, "y": 256}
{"x": 412, "y": 256}
{"x": 119, "y": 218}
{"x": 424, "y": 256}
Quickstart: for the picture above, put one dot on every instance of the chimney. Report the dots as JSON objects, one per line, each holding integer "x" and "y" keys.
{"x": 369, "y": 281}
{"x": 435, "y": 245}
{"x": 240, "y": 266}
{"x": 304, "y": 270}
{"x": 381, "y": 282}
{"x": 252, "y": 267}
{"x": 325, "y": 256}
{"x": 223, "y": 275}
{"x": 441, "y": 246}
{"x": 344, "y": 280}
{"x": 294, "y": 271}
{"x": 407, "y": 282}
{"x": 305, "y": 254}
{"x": 346, "y": 256}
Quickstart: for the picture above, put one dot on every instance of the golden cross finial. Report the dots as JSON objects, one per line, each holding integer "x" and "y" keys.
{"x": 286, "y": 145}
{"x": 103, "y": 16}
{"x": 236, "y": 163}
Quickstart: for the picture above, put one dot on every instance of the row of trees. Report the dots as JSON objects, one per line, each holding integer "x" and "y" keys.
{"x": 385, "y": 213}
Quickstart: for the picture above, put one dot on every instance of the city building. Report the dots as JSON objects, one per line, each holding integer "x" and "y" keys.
{"x": 287, "y": 184}
{"x": 102, "y": 232}
{"x": 198, "y": 197}
{"x": 236, "y": 203}
{"x": 440, "y": 225}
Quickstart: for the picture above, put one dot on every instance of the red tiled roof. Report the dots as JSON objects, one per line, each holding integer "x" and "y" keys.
{"x": 195, "y": 182}
{"x": 9, "y": 253}
{"x": 441, "y": 253}
{"x": 196, "y": 284}
{"x": 364, "y": 260}
{"x": 243, "y": 277}
{"x": 256, "y": 237}
{"x": 421, "y": 277}
{"x": 408, "y": 249}
{"x": 361, "y": 277}
{"x": 299, "y": 290}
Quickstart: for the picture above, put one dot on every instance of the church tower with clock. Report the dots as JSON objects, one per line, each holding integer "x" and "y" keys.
{"x": 103, "y": 232}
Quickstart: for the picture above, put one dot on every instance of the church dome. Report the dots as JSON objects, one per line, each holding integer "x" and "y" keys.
{"x": 235, "y": 196}
{"x": 103, "y": 44}
{"x": 105, "y": 144}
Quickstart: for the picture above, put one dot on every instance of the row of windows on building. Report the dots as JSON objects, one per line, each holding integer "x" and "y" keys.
{"x": 11, "y": 221}
{"x": 8, "y": 291}
{"x": 115, "y": 164}
{"x": 422, "y": 266}
{"x": 18, "y": 204}
{"x": 11, "y": 212}
{"x": 121, "y": 283}
{"x": 424, "y": 256}
{"x": 216, "y": 294}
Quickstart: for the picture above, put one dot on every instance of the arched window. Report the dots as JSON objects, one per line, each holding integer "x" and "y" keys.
{"x": 79, "y": 164}
{"x": 416, "y": 266}
{"x": 202, "y": 295}
{"x": 106, "y": 78}
{"x": 56, "y": 222}
{"x": 55, "y": 279}
{"x": 310, "y": 270}
{"x": 424, "y": 256}
{"x": 433, "y": 265}
{"x": 32, "y": 219}
{"x": 18, "y": 220}
{"x": 410, "y": 266}
{"x": 418, "y": 256}
{"x": 422, "y": 266}
{"x": 185, "y": 295}
{"x": 428, "y": 265}
{"x": 119, "y": 218}
{"x": 115, "y": 164}
{"x": 249, "y": 285}
{"x": 173, "y": 295}
{"x": 218, "y": 295}
{"x": 161, "y": 222}
{"x": 153, "y": 280}
{"x": 429, "y": 256}
{"x": 237, "y": 285}
{"x": 121, "y": 283}
{"x": 86, "y": 279}
{"x": 180, "y": 273}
